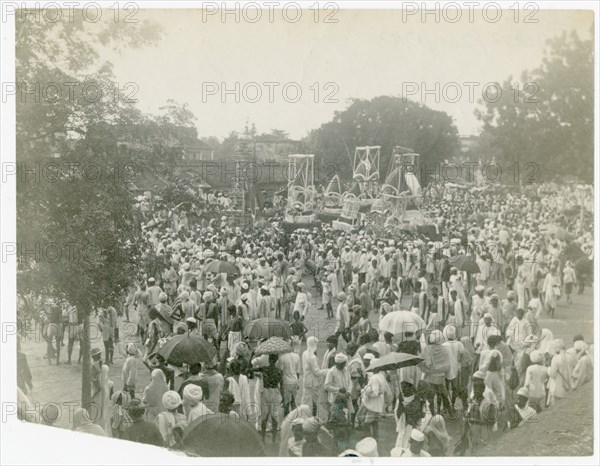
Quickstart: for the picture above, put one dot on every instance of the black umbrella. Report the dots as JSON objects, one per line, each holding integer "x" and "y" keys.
{"x": 395, "y": 361}
{"x": 187, "y": 349}
{"x": 273, "y": 345}
{"x": 464, "y": 263}
{"x": 266, "y": 327}
{"x": 222, "y": 267}
{"x": 222, "y": 435}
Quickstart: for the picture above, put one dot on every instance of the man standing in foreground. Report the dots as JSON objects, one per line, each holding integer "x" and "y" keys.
{"x": 313, "y": 376}
{"x": 289, "y": 363}
{"x": 271, "y": 395}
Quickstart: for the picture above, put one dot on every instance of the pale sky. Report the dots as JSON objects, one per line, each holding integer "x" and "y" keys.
{"x": 366, "y": 54}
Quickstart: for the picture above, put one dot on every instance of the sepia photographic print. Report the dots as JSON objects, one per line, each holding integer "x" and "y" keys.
{"x": 288, "y": 232}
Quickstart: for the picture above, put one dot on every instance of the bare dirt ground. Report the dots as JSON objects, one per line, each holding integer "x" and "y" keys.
{"x": 564, "y": 430}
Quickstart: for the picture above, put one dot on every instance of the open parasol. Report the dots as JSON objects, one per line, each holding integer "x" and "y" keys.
{"x": 222, "y": 434}
{"x": 222, "y": 267}
{"x": 394, "y": 361}
{"x": 464, "y": 263}
{"x": 401, "y": 321}
{"x": 267, "y": 327}
{"x": 273, "y": 345}
{"x": 187, "y": 349}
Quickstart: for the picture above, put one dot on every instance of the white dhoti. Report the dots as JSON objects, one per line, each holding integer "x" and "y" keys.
{"x": 233, "y": 339}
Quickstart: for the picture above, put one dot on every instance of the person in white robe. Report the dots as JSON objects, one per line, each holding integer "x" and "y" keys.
{"x": 561, "y": 380}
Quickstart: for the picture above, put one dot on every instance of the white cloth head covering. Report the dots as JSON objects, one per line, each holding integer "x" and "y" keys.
{"x": 417, "y": 435}
{"x": 171, "y": 399}
{"x": 396, "y": 452}
{"x": 580, "y": 346}
{"x": 536, "y": 357}
{"x": 192, "y": 393}
{"x": 311, "y": 344}
{"x": 546, "y": 338}
{"x": 340, "y": 357}
{"x": 436, "y": 338}
{"x": 367, "y": 447}
{"x": 558, "y": 345}
{"x": 450, "y": 332}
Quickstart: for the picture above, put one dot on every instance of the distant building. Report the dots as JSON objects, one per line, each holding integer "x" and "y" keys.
{"x": 197, "y": 151}
{"x": 274, "y": 148}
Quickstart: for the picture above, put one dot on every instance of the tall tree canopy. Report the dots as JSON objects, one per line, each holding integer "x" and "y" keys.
{"x": 387, "y": 122}
{"x": 547, "y": 125}
{"x": 77, "y": 153}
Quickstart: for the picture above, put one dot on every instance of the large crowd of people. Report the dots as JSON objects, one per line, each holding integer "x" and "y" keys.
{"x": 487, "y": 364}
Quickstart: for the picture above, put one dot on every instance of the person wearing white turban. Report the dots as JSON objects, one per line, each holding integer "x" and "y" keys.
{"x": 238, "y": 386}
{"x": 167, "y": 420}
{"x": 583, "y": 371}
{"x": 561, "y": 381}
{"x": 313, "y": 377}
{"x": 373, "y": 399}
{"x": 572, "y": 354}
{"x": 417, "y": 439}
{"x": 338, "y": 378}
{"x": 545, "y": 344}
{"x": 456, "y": 351}
{"x": 129, "y": 371}
{"x": 153, "y": 393}
{"x": 192, "y": 402}
{"x": 367, "y": 447}
{"x": 436, "y": 363}
{"x": 536, "y": 377}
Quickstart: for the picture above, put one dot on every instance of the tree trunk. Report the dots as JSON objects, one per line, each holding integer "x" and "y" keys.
{"x": 86, "y": 390}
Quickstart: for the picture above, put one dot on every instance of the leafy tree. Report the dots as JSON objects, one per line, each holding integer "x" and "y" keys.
{"x": 212, "y": 141}
{"x": 176, "y": 114}
{"x": 63, "y": 86}
{"x": 228, "y": 147}
{"x": 387, "y": 122}
{"x": 279, "y": 133}
{"x": 76, "y": 212}
{"x": 547, "y": 125}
